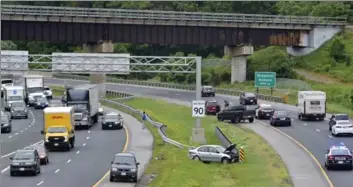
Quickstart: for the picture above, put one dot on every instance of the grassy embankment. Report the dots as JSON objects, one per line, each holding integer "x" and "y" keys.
{"x": 263, "y": 167}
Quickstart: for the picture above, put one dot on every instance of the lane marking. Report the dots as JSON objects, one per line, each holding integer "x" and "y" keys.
{"x": 21, "y": 131}
{"x": 10, "y": 136}
{"x": 26, "y": 128}
{"x": 124, "y": 150}
{"x": 68, "y": 161}
{"x": 305, "y": 124}
{"x": 305, "y": 149}
{"x": 87, "y": 137}
{"x": 56, "y": 171}
{"x": 84, "y": 144}
{"x": 16, "y": 133}
{"x": 318, "y": 130}
{"x": 5, "y": 169}
{"x": 7, "y": 155}
{"x": 329, "y": 136}
{"x": 77, "y": 152}
{"x": 89, "y": 132}
{"x": 41, "y": 182}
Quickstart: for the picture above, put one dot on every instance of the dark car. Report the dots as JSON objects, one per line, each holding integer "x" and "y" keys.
{"x": 25, "y": 161}
{"x": 236, "y": 114}
{"x": 43, "y": 154}
{"x": 248, "y": 99}
{"x": 338, "y": 157}
{"x": 19, "y": 110}
{"x": 280, "y": 118}
{"x": 212, "y": 107}
{"x": 124, "y": 166}
{"x": 56, "y": 103}
{"x": 112, "y": 120}
{"x": 337, "y": 117}
{"x": 264, "y": 111}
{"x": 6, "y": 123}
{"x": 41, "y": 102}
{"x": 208, "y": 91}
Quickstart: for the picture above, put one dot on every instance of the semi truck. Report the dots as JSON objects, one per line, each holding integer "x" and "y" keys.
{"x": 85, "y": 101}
{"x": 12, "y": 94}
{"x": 33, "y": 84}
{"x": 58, "y": 128}
{"x": 312, "y": 105}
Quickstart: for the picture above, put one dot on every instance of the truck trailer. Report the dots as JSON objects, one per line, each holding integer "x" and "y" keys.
{"x": 12, "y": 94}
{"x": 85, "y": 101}
{"x": 33, "y": 84}
{"x": 312, "y": 105}
{"x": 59, "y": 128}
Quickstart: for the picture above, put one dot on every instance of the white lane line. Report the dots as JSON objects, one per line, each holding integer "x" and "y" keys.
{"x": 7, "y": 155}
{"x": 39, "y": 183}
{"x": 89, "y": 132}
{"x": 56, "y": 171}
{"x": 84, "y": 144}
{"x": 21, "y": 131}
{"x": 26, "y": 128}
{"x": 87, "y": 137}
{"x": 329, "y": 136}
{"x": 177, "y": 93}
{"x": 305, "y": 124}
{"x": 318, "y": 130}
{"x": 16, "y": 133}
{"x": 7, "y": 168}
{"x": 77, "y": 152}
{"x": 10, "y": 136}
{"x": 68, "y": 161}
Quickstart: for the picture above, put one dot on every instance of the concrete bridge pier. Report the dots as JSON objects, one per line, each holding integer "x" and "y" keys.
{"x": 99, "y": 47}
{"x": 239, "y": 56}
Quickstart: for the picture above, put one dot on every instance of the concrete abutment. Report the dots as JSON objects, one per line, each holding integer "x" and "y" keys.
{"x": 99, "y": 47}
{"x": 239, "y": 56}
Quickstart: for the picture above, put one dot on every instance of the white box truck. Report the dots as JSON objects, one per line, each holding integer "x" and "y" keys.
{"x": 33, "y": 84}
{"x": 312, "y": 105}
{"x": 6, "y": 80}
{"x": 12, "y": 94}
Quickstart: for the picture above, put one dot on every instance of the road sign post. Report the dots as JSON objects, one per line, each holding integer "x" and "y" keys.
{"x": 265, "y": 79}
{"x": 198, "y": 111}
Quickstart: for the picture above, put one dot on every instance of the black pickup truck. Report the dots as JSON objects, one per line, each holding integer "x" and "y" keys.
{"x": 236, "y": 114}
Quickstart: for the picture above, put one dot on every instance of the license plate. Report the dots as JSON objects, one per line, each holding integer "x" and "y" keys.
{"x": 283, "y": 118}
{"x": 123, "y": 173}
{"x": 110, "y": 125}
{"x": 340, "y": 162}
{"x": 22, "y": 169}
{"x": 56, "y": 144}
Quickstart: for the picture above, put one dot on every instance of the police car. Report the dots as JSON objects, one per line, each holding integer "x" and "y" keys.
{"x": 338, "y": 156}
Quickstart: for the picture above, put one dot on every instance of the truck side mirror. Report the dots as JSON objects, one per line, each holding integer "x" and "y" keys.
{"x": 42, "y": 132}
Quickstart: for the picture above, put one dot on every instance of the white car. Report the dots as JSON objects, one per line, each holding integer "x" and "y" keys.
{"x": 48, "y": 93}
{"x": 342, "y": 127}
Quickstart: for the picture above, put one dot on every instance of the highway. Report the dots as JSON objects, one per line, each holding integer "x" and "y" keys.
{"x": 314, "y": 135}
{"x": 81, "y": 167}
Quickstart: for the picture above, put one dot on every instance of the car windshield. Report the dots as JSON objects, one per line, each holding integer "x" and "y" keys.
{"x": 15, "y": 98}
{"x": 267, "y": 107}
{"x": 342, "y": 117}
{"x": 280, "y": 113}
{"x": 41, "y": 99}
{"x": 111, "y": 117}
{"x": 339, "y": 152}
{"x": 124, "y": 160}
{"x": 249, "y": 95}
{"x": 212, "y": 103}
{"x": 56, "y": 129}
{"x": 18, "y": 104}
{"x": 24, "y": 155}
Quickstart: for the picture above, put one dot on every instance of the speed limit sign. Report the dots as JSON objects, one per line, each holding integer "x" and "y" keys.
{"x": 198, "y": 108}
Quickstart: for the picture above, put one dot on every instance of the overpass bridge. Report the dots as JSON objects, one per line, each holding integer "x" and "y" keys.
{"x": 98, "y": 28}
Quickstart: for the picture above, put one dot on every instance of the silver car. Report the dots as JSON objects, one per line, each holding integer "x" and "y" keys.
{"x": 19, "y": 110}
{"x": 214, "y": 153}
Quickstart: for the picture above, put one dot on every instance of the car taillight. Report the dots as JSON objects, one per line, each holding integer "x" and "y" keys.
{"x": 330, "y": 157}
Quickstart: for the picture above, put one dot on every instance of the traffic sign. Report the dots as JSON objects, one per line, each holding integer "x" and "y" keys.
{"x": 198, "y": 108}
{"x": 265, "y": 79}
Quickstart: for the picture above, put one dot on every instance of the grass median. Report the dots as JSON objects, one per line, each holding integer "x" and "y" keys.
{"x": 263, "y": 167}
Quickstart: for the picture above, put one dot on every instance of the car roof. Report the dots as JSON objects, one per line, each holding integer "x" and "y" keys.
{"x": 210, "y": 146}
{"x": 342, "y": 121}
{"x": 207, "y": 86}
{"x": 265, "y": 105}
{"x": 125, "y": 154}
{"x": 25, "y": 151}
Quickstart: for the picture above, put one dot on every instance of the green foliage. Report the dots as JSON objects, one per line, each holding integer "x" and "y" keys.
{"x": 8, "y": 45}
{"x": 337, "y": 49}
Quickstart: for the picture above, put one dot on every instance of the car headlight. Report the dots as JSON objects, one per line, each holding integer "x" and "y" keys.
{"x": 114, "y": 169}
{"x": 47, "y": 139}
{"x": 15, "y": 164}
{"x": 116, "y": 123}
{"x": 66, "y": 139}
{"x": 5, "y": 125}
{"x": 133, "y": 170}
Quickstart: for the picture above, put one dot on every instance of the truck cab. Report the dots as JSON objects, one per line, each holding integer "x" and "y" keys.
{"x": 12, "y": 94}
{"x": 312, "y": 105}
{"x": 59, "y": 128}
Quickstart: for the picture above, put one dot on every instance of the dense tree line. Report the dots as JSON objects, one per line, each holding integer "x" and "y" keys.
{"x": 269, "y": 59}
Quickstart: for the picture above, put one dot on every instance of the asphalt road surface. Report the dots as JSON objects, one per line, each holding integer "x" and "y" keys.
{"x": 314, "y": 135}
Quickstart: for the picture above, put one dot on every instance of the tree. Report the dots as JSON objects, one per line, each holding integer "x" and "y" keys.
{"x": 337, "y": 50}
{"x": 8, "y": 45}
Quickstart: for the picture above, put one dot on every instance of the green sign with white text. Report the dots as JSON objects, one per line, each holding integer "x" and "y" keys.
{"x": 265, "y": 79}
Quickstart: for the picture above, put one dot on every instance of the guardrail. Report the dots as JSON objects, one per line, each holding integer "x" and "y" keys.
{"x": 161, "y": 127}
{"x": 170, "y": 85}
{"x": 167, "y": 15}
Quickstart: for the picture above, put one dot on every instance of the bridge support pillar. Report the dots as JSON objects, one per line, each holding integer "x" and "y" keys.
{"x": 239, "y": 55}
{"x": 101, "y": 47}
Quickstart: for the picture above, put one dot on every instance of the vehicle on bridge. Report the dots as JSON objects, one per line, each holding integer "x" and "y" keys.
{"x": 248, "y": 99}
{"x": 337, "y": 117}
{"x": 215, "y": 153}
{"x": 85, "y": 101}
{"x": 124, "y": 166}
{"x": 59, "y": 128}
{"x": 280, "y": 118}
{"x": 19, "y": 110}
{"x": 6, "y": 123}
{"x": 25, "y": 161}
{"x": 312, "y": 105}
{"x": 208, "y": 91}
{"x": 264, "y": 111}
{"x": 338, "y": 157}
{"x": 12, "y": 94}
{"x": 342, "y": 127}
{"x": 236, "y": 114}
{"x": 112, "y": 120}
{"x": 33, "y": 84}
{"x": 212, "y": 107}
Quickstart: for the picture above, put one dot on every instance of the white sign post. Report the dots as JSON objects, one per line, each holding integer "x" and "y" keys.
{"x": 198, "y": 108}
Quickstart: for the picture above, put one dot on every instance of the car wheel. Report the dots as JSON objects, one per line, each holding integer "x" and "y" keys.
{"x": 329, "y": 128}
{"x": 350, "y": 168}
{"x": 39, "y": 170}
{"x": 26, "y": 117}
{"x": 34, "y": 173}
{"x": 103, "y": 127}
{"x": 236, "y": 119}
{"x": 225, "y": 160}
{"x": 251, "y": 120}
{"x": 111, "y": 179}
{"x": 134, "y": 179}
{"x": 197, "y": 158}
{"x": 47, "y": 161}
{"x": 289, "y": 124}
{"x": 12, "y": 173}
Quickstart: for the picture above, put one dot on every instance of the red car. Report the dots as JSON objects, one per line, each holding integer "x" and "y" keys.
{"x": 212, "y": 107}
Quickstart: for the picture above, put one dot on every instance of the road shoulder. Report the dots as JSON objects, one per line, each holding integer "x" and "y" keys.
{"x": 140, "y": 143}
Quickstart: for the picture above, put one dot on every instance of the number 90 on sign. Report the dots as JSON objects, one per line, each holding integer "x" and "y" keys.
{"x": 198, "y": 108}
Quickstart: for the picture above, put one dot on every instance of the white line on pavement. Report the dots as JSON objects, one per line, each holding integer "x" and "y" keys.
{"x": 5, "y": 169}
{"x": 318, "y": 130}
{"x": 41, "y": 182}
{"x": 77, "y": 152}
{"x": 84, "y": 144}
{"x": 329, "y": 136}
{"x": 305, "y": 124}
{"x": 68, "y": 161}
{"x": 56, "y": 171}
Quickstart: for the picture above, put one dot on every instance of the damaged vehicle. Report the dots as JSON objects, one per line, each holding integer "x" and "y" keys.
{"x": 215, "y": 153}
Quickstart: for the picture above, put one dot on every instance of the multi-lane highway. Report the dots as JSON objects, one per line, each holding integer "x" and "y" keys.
{"x": 314, "y": 135}
{"x": 81, "y": 167}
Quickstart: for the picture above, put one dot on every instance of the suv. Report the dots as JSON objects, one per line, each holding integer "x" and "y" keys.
{"x": 248, "y": 99}
{"x": 6, "y": 125}
{"x": 336, "y": 117}
{"x": 124, "y": 166}
{"x": 338, "y": 157}
{"x": 25, "y": 161}
{"x": 236, "y": 114}
{"x": 19, "y": 109}
{"x": 112, "y": 120}
{"x": 207, "y": 91}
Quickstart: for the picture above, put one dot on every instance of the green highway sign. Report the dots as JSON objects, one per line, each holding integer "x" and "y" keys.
{"x": 265, "y": 79}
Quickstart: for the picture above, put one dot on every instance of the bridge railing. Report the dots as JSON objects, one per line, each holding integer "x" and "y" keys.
{"x": 167, "y": 15}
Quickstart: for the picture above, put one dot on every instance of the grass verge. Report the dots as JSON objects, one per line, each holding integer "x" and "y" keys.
{"x": 263, "y": 167}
